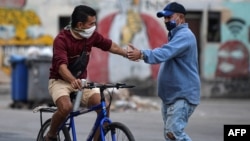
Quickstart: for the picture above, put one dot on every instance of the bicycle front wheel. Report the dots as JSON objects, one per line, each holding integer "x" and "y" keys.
{"x": 63, "y": 135}
{"x": 118, "y": 131}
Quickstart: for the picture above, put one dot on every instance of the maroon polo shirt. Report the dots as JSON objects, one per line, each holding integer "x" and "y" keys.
{"x": 66, "y": 48}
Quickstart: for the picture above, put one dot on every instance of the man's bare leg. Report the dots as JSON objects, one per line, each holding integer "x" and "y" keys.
{"x": 64, "y": 107}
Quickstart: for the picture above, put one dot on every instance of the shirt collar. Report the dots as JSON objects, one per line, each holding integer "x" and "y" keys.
{"x": 173, "y": 31}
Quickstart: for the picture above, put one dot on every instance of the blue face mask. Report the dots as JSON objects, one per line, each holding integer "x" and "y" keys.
{"x": 170, "y": 25}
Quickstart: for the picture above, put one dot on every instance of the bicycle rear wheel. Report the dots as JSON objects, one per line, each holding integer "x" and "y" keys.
{"x": 119, "y": 131}
{"x": 63, "y": 134}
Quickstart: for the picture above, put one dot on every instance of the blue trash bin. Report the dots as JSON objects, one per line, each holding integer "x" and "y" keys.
{"x": 19, "y": 78}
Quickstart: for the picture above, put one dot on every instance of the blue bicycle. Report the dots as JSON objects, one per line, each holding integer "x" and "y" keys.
{"x": 109, "y": 131}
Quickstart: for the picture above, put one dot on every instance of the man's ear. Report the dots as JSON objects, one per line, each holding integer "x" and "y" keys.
{"x": 182, "y": 17}
{"x": 79, "y": 25}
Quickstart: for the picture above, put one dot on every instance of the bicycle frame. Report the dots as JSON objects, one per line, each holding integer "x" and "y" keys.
{"x": 100, "y": 119}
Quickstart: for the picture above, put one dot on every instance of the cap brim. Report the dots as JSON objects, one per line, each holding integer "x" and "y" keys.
{"x": 164, "y": 13}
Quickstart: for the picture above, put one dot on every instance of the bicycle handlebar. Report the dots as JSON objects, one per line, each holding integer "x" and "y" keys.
{"x": 91, "y": 85}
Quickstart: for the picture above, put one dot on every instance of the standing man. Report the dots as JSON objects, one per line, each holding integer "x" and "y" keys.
{"x": 178, "y": 77}
{"x": 79, "y": 36}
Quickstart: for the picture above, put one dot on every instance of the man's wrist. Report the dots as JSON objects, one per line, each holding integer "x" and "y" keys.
{"x": 141, "y": 55}
{"x": 125, "y": 53}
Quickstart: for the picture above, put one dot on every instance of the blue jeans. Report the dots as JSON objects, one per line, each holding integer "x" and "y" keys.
{"x": 175, "y": 117}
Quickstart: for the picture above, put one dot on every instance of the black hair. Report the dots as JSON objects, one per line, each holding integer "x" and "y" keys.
{"x": 80, "y": 14}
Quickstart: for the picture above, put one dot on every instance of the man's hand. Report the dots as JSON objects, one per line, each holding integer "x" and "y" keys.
{"x": 76, "y": 84}
{"x": 133, "y": 53}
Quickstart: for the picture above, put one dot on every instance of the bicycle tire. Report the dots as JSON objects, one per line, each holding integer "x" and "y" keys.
{"x": 122, "y": 132}
{"x": 63, "y": 134}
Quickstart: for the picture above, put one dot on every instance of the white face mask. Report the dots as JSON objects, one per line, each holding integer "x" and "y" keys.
{"x": 86, "y": 33}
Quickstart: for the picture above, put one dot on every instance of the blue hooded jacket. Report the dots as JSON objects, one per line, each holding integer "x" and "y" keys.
{"x": 178, "y": 76}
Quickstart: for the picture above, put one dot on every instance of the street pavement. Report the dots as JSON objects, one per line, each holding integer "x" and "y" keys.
{"x": 206, "y": 124}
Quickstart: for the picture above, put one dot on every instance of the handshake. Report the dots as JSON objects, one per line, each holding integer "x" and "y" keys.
{"x": 133, "y": 53}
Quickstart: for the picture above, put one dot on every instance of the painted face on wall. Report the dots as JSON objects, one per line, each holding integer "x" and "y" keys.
{"x": 233, "y": 61}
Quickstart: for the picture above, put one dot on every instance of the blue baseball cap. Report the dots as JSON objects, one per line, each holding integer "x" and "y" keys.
{"x": 170, "y": 9}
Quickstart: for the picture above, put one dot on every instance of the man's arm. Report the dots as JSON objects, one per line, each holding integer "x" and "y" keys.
{"x": 118, "y": 50}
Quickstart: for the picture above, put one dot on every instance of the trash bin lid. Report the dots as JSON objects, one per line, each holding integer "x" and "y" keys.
{"x": 39, "y": 59}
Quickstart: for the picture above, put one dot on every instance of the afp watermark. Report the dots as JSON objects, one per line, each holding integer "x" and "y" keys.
{"x": 236, "y": 132}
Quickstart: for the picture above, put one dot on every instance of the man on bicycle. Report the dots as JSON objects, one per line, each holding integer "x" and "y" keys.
{"x": 69, "y": 43}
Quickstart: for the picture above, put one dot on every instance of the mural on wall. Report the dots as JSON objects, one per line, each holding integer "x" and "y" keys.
{"x": 127, "y": 24}
{"x": 19, "y": 29}
{"x": 233, "y": 55}
{"x": 233, "y": 60}
{"x": 232, "y": 66}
